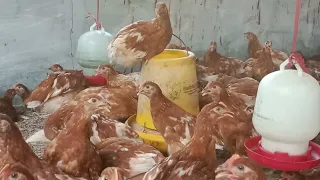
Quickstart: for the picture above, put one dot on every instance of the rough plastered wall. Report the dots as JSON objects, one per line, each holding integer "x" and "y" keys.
{"x": 37, "y": 33}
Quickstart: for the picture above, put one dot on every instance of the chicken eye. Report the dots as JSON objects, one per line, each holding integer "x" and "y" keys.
{"x": 148, "y": 87}
{"x": 14, "y": 175}
{"x": 93, "y": 100}
{"x": 240, "y": 167}
{"x": 103, "y": 68}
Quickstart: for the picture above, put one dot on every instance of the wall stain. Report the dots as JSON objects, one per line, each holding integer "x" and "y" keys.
{"x": 192, "y": 29}
{"x": 155, "y": 3}
{"x": 308, "y": 12}
{"x": 259, "y": 12}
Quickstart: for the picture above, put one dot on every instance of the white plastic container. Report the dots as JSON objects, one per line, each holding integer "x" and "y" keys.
{"x": 287, "y": 110}
{"x": 92, "y": 49}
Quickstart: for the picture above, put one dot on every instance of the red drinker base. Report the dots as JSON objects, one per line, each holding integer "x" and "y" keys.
{"x": 96, "y": 80}
{"x": 282, "y": 161}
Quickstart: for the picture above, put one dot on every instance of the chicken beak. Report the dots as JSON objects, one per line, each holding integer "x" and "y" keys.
{"x": 140, "y": 92}
{"x": 204, "y": 92}
{"x": 5, "y": 172}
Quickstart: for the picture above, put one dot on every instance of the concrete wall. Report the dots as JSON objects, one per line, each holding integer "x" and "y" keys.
{"x": 37, "y": 33}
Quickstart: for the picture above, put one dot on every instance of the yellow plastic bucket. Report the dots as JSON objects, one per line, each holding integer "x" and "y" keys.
{"x": 175, "y": 72}
{"x": 152, "y": 138}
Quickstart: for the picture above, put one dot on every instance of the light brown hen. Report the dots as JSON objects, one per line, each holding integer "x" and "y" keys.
{"x": 54, "y": 91}
{"x": 221, "y": 64}
{"x": 72, "y": 150}
{"x": 197, "y": 160}
{"x": 17, "y": 157}
{"x": 132, "y": 156}
{"x": 260, "y": 67}
{"x": 142, "y": 40}
{"x": 254, "y": 45}
{"x": 6, "y": 106}
{"x": 174, "y": 123}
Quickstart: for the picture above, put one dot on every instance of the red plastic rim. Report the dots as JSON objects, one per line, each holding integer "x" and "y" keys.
{"x": 282, "y": 161}
{"x": 96, "y": 80}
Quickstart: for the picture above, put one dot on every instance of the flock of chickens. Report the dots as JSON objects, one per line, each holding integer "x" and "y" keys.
{"x": 86, "y": 135}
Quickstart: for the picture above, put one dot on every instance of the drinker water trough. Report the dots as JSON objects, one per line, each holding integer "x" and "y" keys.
{"x": 96, "y": 80}
{"x": 287, "y": 117}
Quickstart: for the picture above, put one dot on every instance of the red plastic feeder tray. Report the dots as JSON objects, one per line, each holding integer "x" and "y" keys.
{"x": 282, "y": 161}
{"x": 96, "y": 80}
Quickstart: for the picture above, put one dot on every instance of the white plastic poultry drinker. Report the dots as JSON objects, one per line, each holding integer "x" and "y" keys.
{"x": 287, "y": 112}
{"x": 91, "y": 49}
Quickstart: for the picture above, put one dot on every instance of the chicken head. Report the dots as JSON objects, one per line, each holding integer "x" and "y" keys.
{"x": 21, "y": 90}
{"x": 56, "y": 68}
{"x": 161, "y": 10}
{"x": 238, "y": 168}
{"x": 149, "y": 89}
{"x": 112, "y": 173}
{"x": 106, "y": 70}
{"x": 213, "y": 46}
{"x": 212, "y": 90}
{"x": 15, "y": 171}
{"x": 250, "y": 35}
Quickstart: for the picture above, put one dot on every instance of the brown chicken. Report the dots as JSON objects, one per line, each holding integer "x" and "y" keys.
{"x": 115, "y": 79}
{"x": 243, "y": 88}
{"x": 54, "y": 91}
{"x": 142, "y": 40}
{"x": 104, "y": 128}
{"x": 205, "y": 74}
{"x": 56, "y": 68}
{"x": 6, "y": 106}
{"x": 120, "y": 106}
{"x": 253, "y": 45}
{"x": 197, "y": 160}
{"x": 278, "y": 57}
{"x": 174, "y": 123}
{"x": 221, "y": 64}
{"x": 211, "y": 92}
{"x": 17, "y": 155}
{"x": 233, "y": 131}
{"x": 71, "y": 150}
{"x": 260, "y": 67}
{"x": 132, "y": 156}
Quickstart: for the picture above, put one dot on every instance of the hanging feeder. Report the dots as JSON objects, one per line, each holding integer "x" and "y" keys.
{"x": 92, "y": 46}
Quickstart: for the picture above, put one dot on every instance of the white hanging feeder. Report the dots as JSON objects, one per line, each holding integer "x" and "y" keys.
{"x": 91, "y": 49}
{"x": 287, "y": 117}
